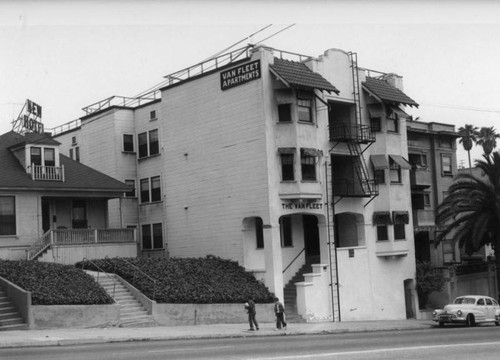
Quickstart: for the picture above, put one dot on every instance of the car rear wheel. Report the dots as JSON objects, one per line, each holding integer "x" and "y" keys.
{"x": 470, "y": 321}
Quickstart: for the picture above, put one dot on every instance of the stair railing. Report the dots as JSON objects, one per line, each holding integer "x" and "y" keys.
{"x": 138, "y": 272}
{"x": 295, "y": 258}
{"x": 98, "y": 272}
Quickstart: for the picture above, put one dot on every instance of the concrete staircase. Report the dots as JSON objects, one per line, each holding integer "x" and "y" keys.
{"x": 132, "y": 312}
{"x": 290, "y": 294}
{"x": 10, "y": 319}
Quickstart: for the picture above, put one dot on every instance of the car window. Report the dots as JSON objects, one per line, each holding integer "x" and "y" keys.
{"x": 494, "y": 302}
{"x": 480, "y": 302}
{"x": 458, "y": 301}
{"x": 489, "y": 302}
{"x": 469, "y": 301}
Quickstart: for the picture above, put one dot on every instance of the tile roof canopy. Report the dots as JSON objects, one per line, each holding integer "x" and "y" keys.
{"x": 387, "y": 93}
{"x": 298, "y": 75}
{"x": 78, "y": 177}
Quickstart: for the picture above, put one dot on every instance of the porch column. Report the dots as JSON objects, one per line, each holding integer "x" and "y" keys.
{"x": 274, "y": 263}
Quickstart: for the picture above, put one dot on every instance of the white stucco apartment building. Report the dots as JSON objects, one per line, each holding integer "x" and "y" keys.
{"x": 283, "y": 162}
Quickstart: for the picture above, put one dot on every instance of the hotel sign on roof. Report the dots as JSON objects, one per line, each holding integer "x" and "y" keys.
{"x": 240, "y": 75}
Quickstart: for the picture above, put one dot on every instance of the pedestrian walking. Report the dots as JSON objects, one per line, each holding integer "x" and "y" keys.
{"x": 279, "y": 311}
{"x": 250, "y": 307}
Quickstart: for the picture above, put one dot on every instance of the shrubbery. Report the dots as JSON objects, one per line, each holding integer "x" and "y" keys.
{"x": 54, "y": 284}
{"x": 190, "y": 280}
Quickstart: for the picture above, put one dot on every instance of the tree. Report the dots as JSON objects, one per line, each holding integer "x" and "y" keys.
{"x": 470, "y": 213}
{"x": 428, "y": 280}
{"x": 487, "y": 138}
{"x": 468, "y": 135}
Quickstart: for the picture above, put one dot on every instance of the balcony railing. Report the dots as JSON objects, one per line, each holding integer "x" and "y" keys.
{"x": 349, "y": 187}
{"x": 351, "y": 132}
{"x": 50, "y": 173}
{"x": 79, "y": 237}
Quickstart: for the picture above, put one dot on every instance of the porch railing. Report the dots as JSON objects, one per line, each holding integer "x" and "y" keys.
{"x": 78, "y": 237}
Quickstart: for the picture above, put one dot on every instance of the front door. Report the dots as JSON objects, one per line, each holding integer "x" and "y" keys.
{"x": 45, "y": 215}
{"x": 79, "y": 214}
{"x": 311, "y": 238}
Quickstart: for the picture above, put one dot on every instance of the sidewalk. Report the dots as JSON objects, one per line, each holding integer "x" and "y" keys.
{"x": 53, "y": 337}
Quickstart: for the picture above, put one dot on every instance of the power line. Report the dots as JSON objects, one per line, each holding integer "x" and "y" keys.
{"x": 457, "y": 107}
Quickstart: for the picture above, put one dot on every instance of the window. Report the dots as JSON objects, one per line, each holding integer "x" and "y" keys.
{"x": 49, "y": 156}
{"x": 152, "y": 236}
{"x": 144, "y": 190}
{"x": 155, "y": 189}
{"x": 259, "y": 233}
{"x": 379, "y": 176}
{"x": 131, "y": 184}
{"x": 382, "y": 233}
{"x": 152, "y": 115}
{"x": 417, "y": 161}
{"x": 128, "y": 143}
{"x": 392, "y": 122}
{"x": 400, "y": 218}
{"x": 308, "y": 164}
{"x": 304, "y": 107}
{"x": 285, "y": 113}
{"x": 150, "y": 189}
{"x": 287, "y": 168}
{"x": 143, "y": 144}
{"x": 154, "y": 147}
{"x": 77, "y": 154}
{"x": 446, "y": 165}
{"x": 148, "y": 143}
{"x": 36, "y": 156}
{"x": 73, "y": 140}
{"x": 427, "y": 199}
{"x": 376, "y": 124}
{"x": 394, "y": 171}
{"x": 7, "y": 215}
{"x": 71, "y": 154}
{"x": 286, "y": 231}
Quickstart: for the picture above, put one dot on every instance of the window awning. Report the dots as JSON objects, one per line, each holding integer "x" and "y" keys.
{"x": 297, "y": 75}
{"x": 310, "y": 152}
{"x": 379, "y": 162}
{"x": 400, "y": 217}
{"x": 398, "y": 159}
{"x": 382, "y": 218}
{"x": 287, "y": 150}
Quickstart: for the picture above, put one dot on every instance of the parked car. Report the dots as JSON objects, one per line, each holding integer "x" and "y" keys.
{"x": 469, "y": 310}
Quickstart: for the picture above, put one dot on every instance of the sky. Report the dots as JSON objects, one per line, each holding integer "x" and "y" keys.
{"x": 65, "y": 55}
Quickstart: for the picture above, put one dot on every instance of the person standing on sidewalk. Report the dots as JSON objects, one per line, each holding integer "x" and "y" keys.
{"x": 279, "y": 311}
{"x": 250, "y": 306}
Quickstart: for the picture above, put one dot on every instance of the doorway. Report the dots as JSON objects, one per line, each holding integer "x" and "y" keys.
{"x": 311, "y": 238}
{"x": 79, "y": 214}
{"x": 45, "y": 215}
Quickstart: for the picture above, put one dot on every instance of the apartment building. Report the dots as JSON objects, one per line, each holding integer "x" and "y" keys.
{"x": 292, "y": 165}
{"x": 432, "y": 154}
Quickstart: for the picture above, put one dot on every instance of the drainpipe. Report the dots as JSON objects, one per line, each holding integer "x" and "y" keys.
{"x": 330, "y": 248}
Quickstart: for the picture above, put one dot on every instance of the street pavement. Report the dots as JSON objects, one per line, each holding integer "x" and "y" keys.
{"x": 59, "y": 337}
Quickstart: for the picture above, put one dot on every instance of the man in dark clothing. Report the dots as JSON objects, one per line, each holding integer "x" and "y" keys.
{"x": 279, "y": 311}
{"x": 250, "y": 306}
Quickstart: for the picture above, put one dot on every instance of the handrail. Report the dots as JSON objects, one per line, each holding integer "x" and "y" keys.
{"x": 301, "y": 251}
{"x": 104, "y": 272}
{"x": 136, "y": 269}
{"x": 39, "y": 245}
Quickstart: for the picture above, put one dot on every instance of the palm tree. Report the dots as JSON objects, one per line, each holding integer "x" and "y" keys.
{"x": 487, "y": 138}
{"x": 470, "y": 213}
{"x": 468, "y": 135}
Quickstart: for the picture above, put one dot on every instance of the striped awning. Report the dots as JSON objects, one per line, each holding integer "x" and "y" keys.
{"x": 382, "y": 218}
{"x": 400, "y": 217}
{"x": 379, "y": 162}
{"x": 399, "y": 160}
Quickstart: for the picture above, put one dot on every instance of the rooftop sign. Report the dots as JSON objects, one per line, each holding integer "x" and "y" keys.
{"x": 240, "y": 75}
{"x": 29, "y": 119}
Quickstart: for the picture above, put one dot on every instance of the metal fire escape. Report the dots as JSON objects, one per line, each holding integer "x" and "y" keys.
{"x": 359, "y": 134}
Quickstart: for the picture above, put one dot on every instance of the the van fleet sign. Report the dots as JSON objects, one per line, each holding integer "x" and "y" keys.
{"x": 240, "y": 75}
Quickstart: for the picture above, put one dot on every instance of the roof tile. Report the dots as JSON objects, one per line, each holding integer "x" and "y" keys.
{"x": 387, "y": 93}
